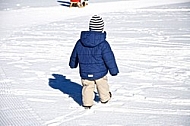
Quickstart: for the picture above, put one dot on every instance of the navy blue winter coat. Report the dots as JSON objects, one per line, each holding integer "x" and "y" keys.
{"x": 94, "y": 55}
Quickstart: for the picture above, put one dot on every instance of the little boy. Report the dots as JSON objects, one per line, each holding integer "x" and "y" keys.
{"x": 95, "y": 58}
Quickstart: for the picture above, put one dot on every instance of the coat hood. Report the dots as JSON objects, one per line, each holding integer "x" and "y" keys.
{"x": 92, "y": 38}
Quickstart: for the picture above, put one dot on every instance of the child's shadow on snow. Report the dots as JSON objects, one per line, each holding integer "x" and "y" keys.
{"x": 74, "y": 90}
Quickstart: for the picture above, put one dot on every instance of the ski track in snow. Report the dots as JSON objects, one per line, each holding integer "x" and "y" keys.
{"x": 152, "y": 50}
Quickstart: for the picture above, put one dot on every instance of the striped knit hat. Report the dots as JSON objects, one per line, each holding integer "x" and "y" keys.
{"x": 96, "y": 24}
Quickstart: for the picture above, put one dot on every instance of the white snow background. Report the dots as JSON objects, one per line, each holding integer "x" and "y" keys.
{"x": 151, "y": 42}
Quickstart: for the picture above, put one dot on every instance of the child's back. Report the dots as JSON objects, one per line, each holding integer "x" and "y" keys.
{"x": 95, "y": 58}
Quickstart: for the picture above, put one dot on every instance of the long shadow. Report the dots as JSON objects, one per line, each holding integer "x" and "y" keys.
{"x": 74, "y": 90}
{"x": 64, "y": 3}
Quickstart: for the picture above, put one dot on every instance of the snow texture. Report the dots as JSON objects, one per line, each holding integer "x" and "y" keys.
{"x": 151, "y": 42}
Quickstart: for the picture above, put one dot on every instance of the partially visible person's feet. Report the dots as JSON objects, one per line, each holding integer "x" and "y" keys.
{"x": 107, "y": 100}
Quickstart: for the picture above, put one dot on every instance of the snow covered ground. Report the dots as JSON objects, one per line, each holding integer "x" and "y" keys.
{"x": 151, "y": 42}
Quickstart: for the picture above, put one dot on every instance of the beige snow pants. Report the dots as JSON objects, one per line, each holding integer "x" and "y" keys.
{"x": 89, "y": 87}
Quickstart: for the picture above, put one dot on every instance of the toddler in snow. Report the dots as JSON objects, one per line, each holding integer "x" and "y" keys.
{"x": 95, "y": 58}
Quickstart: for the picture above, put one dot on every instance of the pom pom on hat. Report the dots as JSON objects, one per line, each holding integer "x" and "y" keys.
{"x": 96, "y": 24}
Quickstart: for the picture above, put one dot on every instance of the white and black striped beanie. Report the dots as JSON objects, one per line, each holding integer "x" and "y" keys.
{"x": 96, "y": 24}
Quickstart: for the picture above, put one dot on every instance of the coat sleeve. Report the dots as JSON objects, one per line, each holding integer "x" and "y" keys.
{"x": 109, "y": 59}
{"x": 73, "y": 63}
